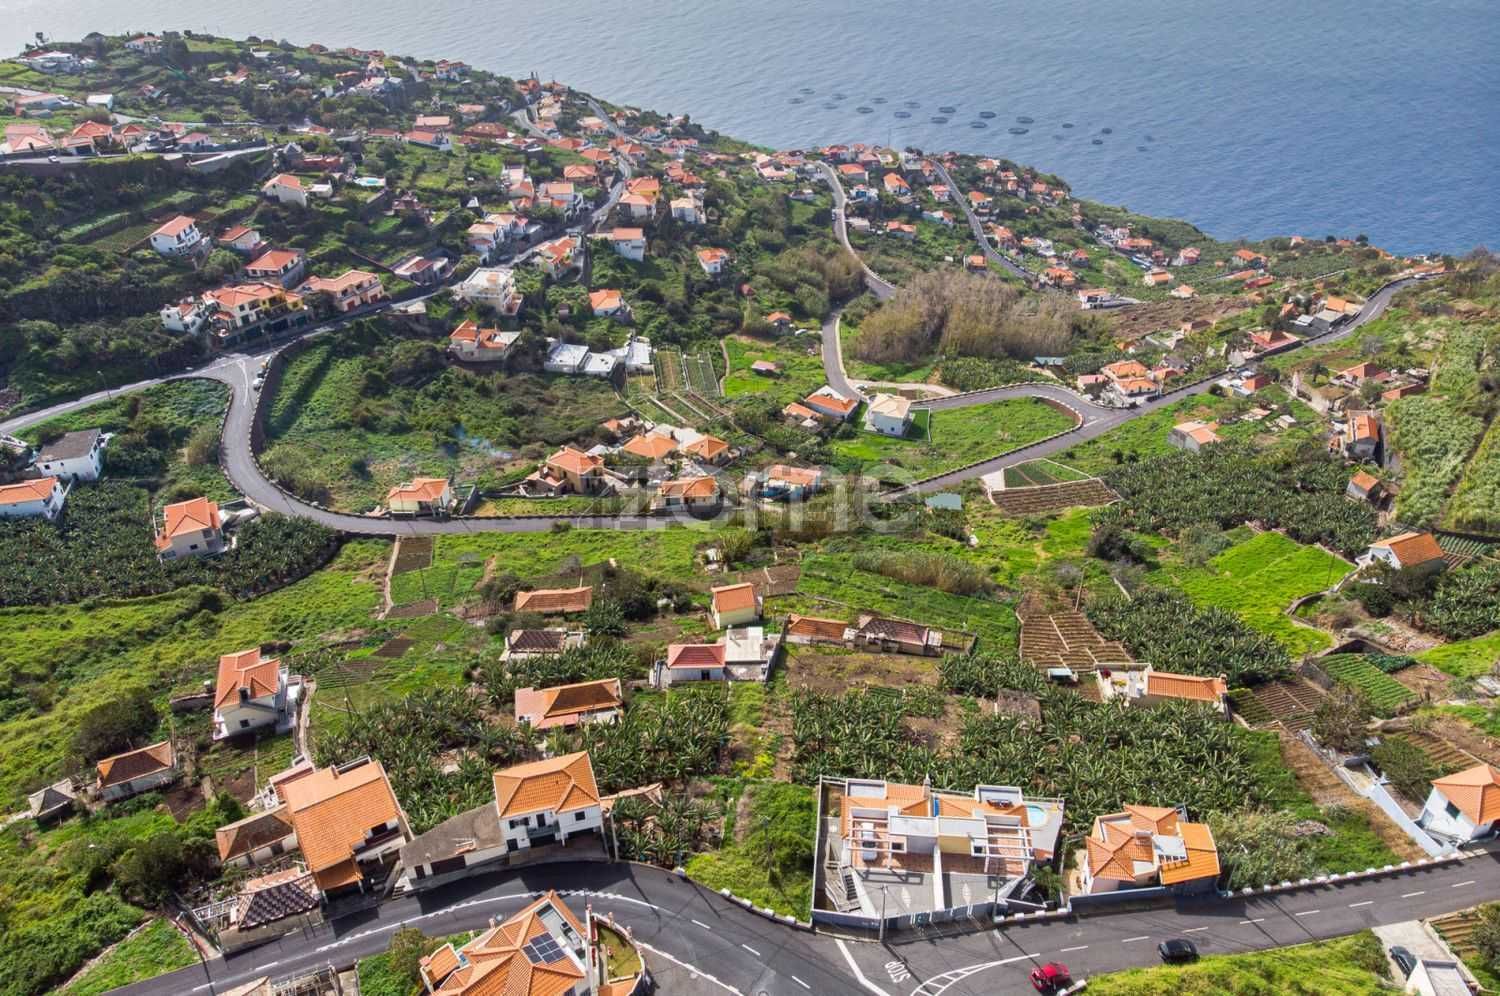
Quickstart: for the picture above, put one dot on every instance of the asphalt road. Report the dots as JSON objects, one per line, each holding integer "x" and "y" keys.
{"x": 962, "y": 199}
{"x": 742, "y": 952}
{"x": 874, "y": 282}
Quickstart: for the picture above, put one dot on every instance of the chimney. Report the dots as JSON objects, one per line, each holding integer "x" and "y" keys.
{"x": 244, "y": 694}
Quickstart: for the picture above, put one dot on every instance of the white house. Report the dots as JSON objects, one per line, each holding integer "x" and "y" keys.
{"x": 43, "y": 497}
{"x": 1193, "y": 436}
{"x": 889, "y": 414}
{"x": 75, "y": 456}
{"x": 713, "y": 261}
{"x": 734, "y": 605}
{"x": 286, "y": 189}
{"x": 190, "y": 528}
{"x": 188, "y": 315}
{"x": 177, "y": 237}
{"x": 565, "y": 358}
{"x": 1463, "y": 806}
{"x": 494, "y": 286}
{"x": 687, "y": 210}
{"x": 629, "y": 242}
{"x": 744, "y": 654}
{"x": 420, "y": 496}
{"x": 253, "y": 692}
{"x": 145, "y": 44}
{"x": 1406, "y": 550}
{"x": 546, "y": 802}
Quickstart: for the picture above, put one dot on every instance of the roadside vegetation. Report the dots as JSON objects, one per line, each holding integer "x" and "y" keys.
{"x": 1349, "y": 966}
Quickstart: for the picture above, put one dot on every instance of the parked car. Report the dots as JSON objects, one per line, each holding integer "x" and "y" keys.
{"x": 1051, "y": 977}
{"x": 1404, "y": 959}
{"x": 1178, "y": 949}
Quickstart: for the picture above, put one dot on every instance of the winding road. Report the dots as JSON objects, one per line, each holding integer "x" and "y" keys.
{"x": 697, "y": 941}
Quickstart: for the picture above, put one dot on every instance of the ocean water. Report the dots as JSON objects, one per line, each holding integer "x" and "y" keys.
{"x": 1309, "y": 117}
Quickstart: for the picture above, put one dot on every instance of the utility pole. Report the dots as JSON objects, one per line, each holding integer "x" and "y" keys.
{"x": 882, "y": 912}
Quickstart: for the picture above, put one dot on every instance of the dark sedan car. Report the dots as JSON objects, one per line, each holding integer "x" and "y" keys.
{"x": 1178, "y": 949}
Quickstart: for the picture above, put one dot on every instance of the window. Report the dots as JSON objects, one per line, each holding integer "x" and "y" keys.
{"x": 516, "y": 823}
{"x": 579, "y": 816}
{"x": 244, "y": 723}
{"x": 1451, "y": 810}
{"x": 445, "y": 865}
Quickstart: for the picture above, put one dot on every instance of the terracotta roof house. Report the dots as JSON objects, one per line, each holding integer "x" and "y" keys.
{"x": 713, "y": 261}
{"x": 687, "y": 493}
{"x": 744, "y": 653}
{"x": 606, "y": 302}
{"x": 479, "y": 345}
{"x": 523, "y": 643}
{"x": 278, "y": 266}
{"x": 734, "y": 605}
{"x": 567, "y": 706}
{"x": 650, "y": 447}
{"x": 1363, "y": 487}
{"x": 812, "y": 629}
{"x": 42, "y": 496}
{"x": 828, "y": 402}
{"x": 1409, "y": 549}
{"x": 253, "y": 692}
{"x": 943, "y": 845}
{"x": 541, "y": 951}
{"x": 420, "y": 496}
{"x": 546, "y": 802}
{"x": 256, "y": 839}
{"x": 1148, "y": 686}
{"x": 349, "y": 825}
{"x": 136, "y": 771}
{"x": 1148, "y": 846}
{"x": 265, "y": 907}
{"x": 569, "y": 470}
{"x": 780, "y": 481}
{"x": 895, "y": 636}
{"x": 1193, "y": 436}
{"x": 707, "y": 449}
{"x": 555, "y": 601}
{"x": 190, "y": 528}
{"x": 1463, "y": 806}
{"x": 177, "y": 237}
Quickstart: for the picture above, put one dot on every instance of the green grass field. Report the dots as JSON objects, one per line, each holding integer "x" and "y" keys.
{"x": 958, "y": 437}
{"x": 801, "y": 367}
{"x": 1257, "y": 579}
{"x": 1034, "y": 473}
{"x": 1466, "y": 658}
{"x": 156, "y": 950}
{"x": 1349, "y": 966}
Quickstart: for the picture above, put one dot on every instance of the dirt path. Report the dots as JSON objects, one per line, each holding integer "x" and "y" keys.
{"x": 1326, "y": 789}
{"x": 385, "y": 585}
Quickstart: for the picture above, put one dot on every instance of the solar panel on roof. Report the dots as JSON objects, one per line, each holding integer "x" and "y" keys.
{"x": 543, "y": 950}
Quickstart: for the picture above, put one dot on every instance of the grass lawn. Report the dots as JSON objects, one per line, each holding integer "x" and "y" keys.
{"x": 958, "y": 437}
{"x": 1466, "y": 658}
{"x": 1348, "y": 966}
{"x": 759, "y": 865}
{"x": 1257, "y": 579}
{"x": 458, "y": 562}
{"x": 1484, "y": 718}
{"x": 156, "y": 950}
{"x": 801, "y": 367}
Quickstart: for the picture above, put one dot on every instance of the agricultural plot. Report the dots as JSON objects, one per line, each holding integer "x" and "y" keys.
{"x": 1457, "y": 929}
{"x": 1466, "y": 658}
{"x": 668, "y": 367}
{"x": 1041, "y": 499}
{"x": 1444, "y": 754}
{"x": 698, "y": 369}
{"x": 1035, "y": 473}
{"x": 1257, "y": 579}
{"x": 1290, "y": 703}
{"x": 1387, "y": 695}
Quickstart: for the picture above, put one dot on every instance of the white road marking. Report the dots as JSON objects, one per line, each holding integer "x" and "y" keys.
{"x": 939, "y": 984}
{"x": 1419, "y": 892}
{"x": 691, "y": 968}
{"x": 1143, "y": 937}
{"x": 1456, "y": 885}
{"x": 271, "y": 964}
{"x": 1367, "y": 902}
{"x": 1080, "y": 947}
{"x": 858, "y": 975}
{"x": 799, "y": 982}
{"x": 1307, "y": 913}
{"x": 1194, "y": 930}
{"x": 751, "y": 950}
{"x": 702, "y": 924}
{"x": 1247, "y": 922}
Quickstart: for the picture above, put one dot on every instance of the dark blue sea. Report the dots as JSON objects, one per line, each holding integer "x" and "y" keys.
{"x": 1308, "y": 117}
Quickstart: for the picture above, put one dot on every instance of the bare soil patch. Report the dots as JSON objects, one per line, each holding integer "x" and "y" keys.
{"x": 391, "y": 649}
{"x": 1326, "y": 789}
{"x": 413, "y": 610}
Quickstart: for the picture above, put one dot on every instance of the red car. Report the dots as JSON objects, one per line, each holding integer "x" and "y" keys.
{"x": 1051, "y": 977}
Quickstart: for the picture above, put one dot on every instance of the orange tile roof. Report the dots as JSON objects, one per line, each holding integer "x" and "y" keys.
{"x": 136, "y": 763}
{"x": 695, "y": 655}
{"x": 560, "y": 784}
{"x": 1120, "y": 840}
{"x": 1122, "y": 369}
{"x": 175, "y": 227}
{"x": 1475, "y": 791}
{"x": 189, "y": 516}
{"x": 626, "y": 234}
{"x": 555, "y": 600}
{"x": 566, "y": 705}
{"x": 499, "y": 961}
{"x": 285, "y": 180}
{"x": 733, "y": 597}
{"x": 252, "y": 833}
{"x": 1411, "y": 549}
{"x": 338, "y": 285}
{"x": 39, "y": 489}
{"x": 427, "y": 489}
{"x": 799, "y": 410}
{"x": 707, "y": 447}
{"x": 332, "y": 811}
{"x": 1364, "y": 481}
{"x": 712, "y": 255}
{"x": 804, "y": 476}
{"x": 605, "y": 300}
{"x": 574, "y": 461}
{"x": 1202, "y": 856}
{"x": 815, "y": 627}
{"x": 248, "y": 670}
{"x": 650, "y": 447}
{"x": 688, "y": 488}
{"x": 273, "y": 261}
{"x": 1185, "y": 686}
{"x": 841, "y": 405}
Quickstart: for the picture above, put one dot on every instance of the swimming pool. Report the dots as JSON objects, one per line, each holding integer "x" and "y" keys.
{"x": 1036, "y": 816}
{"x": 369, "y": 181}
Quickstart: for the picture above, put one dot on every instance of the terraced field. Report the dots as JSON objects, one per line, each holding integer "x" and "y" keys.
{"x": 1387, "y": 695}
{"x": 1053, "y": 497}
{"x": 1034, "y": 473}
{"x": 1290, "y": 703}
